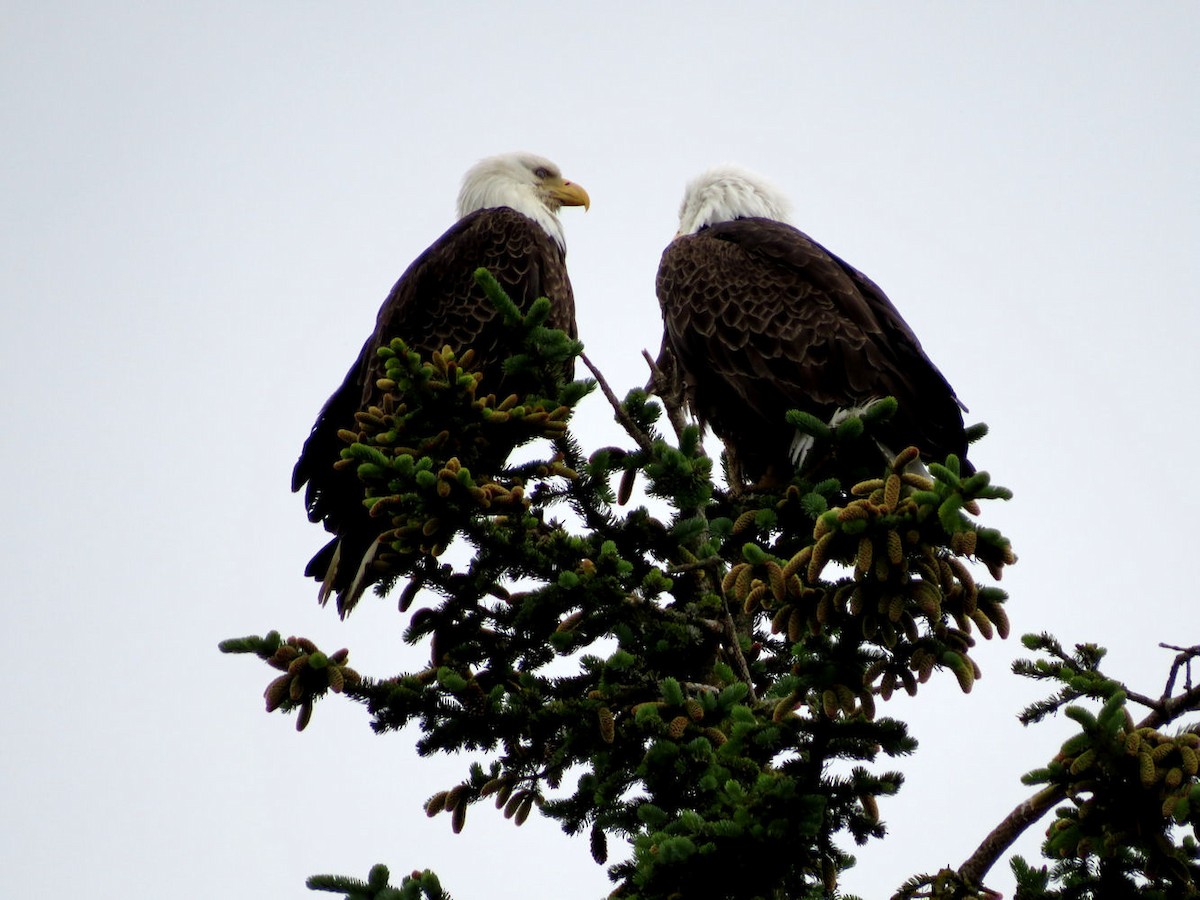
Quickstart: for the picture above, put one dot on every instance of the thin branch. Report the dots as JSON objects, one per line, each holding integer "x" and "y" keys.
{"x": 1184, "y": 658}
{"x": 674, "y": 412}
{"x": 731, "y": 638}
{"x": 642, "y": 439}
{"x": 705, "y": 563}
{"x": 712, "y": 626}
{"x": 1167, "y": 708}
{"x": 1143, "y": 700}
{"x": 1171, "y": 708}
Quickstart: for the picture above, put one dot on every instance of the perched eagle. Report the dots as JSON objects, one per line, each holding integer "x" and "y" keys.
{"x": 508, "y": 222}
{"x": 759, "y": 318}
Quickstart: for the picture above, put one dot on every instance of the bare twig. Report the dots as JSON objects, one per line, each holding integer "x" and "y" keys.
{"x": 1182, "y": 660}
{"x": 1171, "y": 708}
{"x": 642, "y": 439}
{"x": 692, "y": 566}
{"x": 669, "y": 401}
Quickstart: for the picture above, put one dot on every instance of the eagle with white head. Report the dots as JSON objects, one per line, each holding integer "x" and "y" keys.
{"x": 508, "y": 223}
{"x": 760, "y": 319}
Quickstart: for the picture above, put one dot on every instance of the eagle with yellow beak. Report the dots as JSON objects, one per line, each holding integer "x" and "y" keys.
{"x": 508, "y": 223}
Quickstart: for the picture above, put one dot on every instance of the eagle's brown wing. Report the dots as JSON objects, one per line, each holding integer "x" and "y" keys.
{"x": 762, "y": 319}
{"x": 435, "y": 303}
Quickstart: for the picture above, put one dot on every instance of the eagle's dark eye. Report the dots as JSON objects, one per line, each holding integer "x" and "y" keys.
{"x": 541, "y": 172}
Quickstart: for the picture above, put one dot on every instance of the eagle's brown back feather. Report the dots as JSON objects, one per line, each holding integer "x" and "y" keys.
{"x": 762, "y": 319}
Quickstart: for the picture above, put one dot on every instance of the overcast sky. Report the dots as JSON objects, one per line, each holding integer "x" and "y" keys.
{"x": 194, "y": 194}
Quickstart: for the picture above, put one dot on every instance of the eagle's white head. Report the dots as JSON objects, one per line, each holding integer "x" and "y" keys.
{"x": 725, "y": 193}
{"x": 530, "y": 184}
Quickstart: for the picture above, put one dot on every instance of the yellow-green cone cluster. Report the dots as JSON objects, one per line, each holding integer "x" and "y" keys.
{"x": 307, "y": 675}
{"x": 884, "y": 566}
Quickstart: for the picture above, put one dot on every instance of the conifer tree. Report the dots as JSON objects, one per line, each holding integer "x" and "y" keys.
{"x": 733, "y": 652}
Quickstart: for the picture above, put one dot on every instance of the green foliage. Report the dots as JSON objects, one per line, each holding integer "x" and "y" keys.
{"x": 417, "y": 886}
{"x": 431, "y": 455}
{"x": 1128, "y": 794}
{"x": 308, "y": 674}
{"x": 1079, "y": 674}
{"x": 946, "y": 884}
{"x": 708, "y": 671}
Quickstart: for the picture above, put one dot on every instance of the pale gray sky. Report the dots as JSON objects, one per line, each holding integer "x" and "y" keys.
{"x": 192, "y": 191}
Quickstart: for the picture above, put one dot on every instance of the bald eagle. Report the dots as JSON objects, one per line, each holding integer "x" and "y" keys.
{"x": 759, "y": 319}
{"x": 508, "y": 222}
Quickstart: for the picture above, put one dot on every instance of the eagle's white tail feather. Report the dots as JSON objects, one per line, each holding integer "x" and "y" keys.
{"x": 330, "y": 574}
{"x": 798, "y": 451}
{"x": 350, "y": 596}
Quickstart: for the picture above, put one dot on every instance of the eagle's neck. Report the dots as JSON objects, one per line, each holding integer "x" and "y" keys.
{"x": 489, "y": 194}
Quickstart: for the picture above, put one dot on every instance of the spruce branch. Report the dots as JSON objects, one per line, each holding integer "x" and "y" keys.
{"x": 1081, "y": 676}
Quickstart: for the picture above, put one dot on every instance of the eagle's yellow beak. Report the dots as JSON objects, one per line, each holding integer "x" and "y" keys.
{"x": 568, "y": 193}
